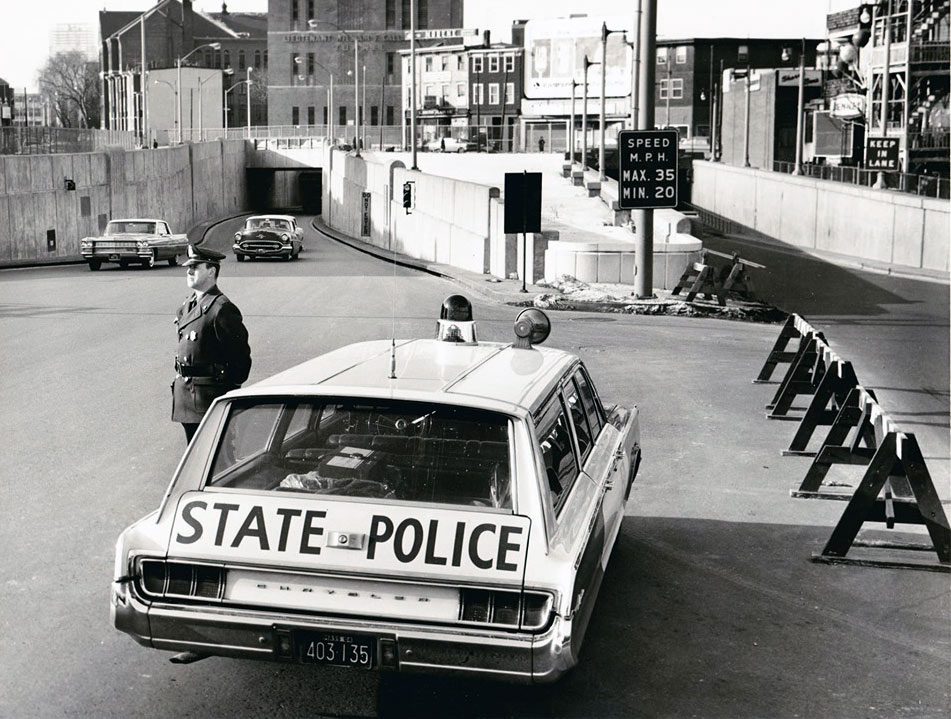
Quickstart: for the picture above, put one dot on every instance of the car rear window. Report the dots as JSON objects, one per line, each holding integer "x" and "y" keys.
{"x": 143, "y": 228}
{"x": 369, "y": 448}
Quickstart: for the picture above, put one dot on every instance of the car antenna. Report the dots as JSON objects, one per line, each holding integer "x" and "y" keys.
{"x": 393, "y": 357}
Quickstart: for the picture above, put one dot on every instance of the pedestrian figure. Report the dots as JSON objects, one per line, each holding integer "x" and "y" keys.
{"x": 442, "y": 144}
{"x": 213, "y": 355}
{"x": 154, "y": 144}
{"x": 541, "y": 144}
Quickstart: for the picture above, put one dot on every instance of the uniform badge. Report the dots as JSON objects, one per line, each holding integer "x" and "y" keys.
{"x": 193, "y": 335}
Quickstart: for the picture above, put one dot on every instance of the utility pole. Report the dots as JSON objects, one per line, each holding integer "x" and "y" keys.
{"x": 412, "y": 70}
{"x": 644, "y": 219}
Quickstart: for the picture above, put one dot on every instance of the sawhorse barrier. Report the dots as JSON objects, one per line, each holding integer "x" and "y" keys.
{"x": 795, "y": 328}
{"x": 712, "y": 280}
{"x": 896, "y": 487}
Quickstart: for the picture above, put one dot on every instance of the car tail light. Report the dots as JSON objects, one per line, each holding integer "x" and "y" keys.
{"x": 179, "y": 580}
{"x": 528, "y": 610}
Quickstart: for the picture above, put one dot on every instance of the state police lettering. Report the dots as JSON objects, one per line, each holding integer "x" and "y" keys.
{"x": 221, "y": 527}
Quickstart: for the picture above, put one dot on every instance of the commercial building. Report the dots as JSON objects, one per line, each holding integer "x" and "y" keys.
{"x": 353, "y": 46}
{"x": 496, "y": 73}
{"x": 157, "y": 39}
{"x": 66, "y": 37}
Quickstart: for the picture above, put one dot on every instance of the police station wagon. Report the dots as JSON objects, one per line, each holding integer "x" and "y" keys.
{"x": 442, "y": 505}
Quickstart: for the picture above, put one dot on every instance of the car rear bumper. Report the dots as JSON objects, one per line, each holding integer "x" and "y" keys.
{"x": 116, "y": 255}
{"x": 418, "y": 648}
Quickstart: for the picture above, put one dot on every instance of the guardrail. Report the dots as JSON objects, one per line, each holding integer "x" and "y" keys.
{"x": 896, "y": 487}
{"x": 41, "y": 140}
{"x": 924, "y": 185}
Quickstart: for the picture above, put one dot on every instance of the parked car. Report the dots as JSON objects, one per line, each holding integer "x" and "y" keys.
{"x": 268, "y": 236}
{"x": 432, "y": 505}
{"x": 126, "y": 242}
{"x": 450, "y": 144}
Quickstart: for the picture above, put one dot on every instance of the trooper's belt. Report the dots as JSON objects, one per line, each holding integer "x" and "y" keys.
{"x": 200, "y": 370}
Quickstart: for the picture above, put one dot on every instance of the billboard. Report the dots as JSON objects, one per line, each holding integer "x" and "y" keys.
{"x": 836, "y": 137}
{"x": 555, "y": 50}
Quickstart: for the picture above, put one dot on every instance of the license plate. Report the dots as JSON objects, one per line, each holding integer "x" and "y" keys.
{"x": 113, "y": 257}
{"x": 336, "y": 649}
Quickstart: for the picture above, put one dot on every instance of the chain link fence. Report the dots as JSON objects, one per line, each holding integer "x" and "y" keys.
{"x": 38, "y": 140}
{"x": 924, "y": 185}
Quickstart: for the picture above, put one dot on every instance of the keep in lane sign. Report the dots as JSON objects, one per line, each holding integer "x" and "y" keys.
{"x": 882, "y": 154}
{"x": 647, "y": 168}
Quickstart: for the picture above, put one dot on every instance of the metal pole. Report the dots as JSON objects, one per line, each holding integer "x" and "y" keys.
{"x": 145, "y": 86}
{"x": 584, "y": 117}
{"x": 249, "y": 102}
{"x": 225, "y": 109}
{"x": 330, "y": 112}
{"x": 604, "y": 73}
{"x": 178, "y": 97}
{"x": 644, "y": 219}
{"x": 412, "y": 70}
{"x": 746, "y": 122}
{"x": 363, "y": 123}
{"x": 667, "y": 120}
{"x": 571, "y": 135}
{"x": 797, "y": 170}
{"x": 356, "y": 95}
{"x": 636, "y": 67}
{"x": 200, "y": 85}
{"x": 909, "y": 18}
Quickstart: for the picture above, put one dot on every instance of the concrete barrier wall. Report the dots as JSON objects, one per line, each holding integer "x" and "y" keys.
{"x": 184, "y": 185}
{"x": 875, "y": 225}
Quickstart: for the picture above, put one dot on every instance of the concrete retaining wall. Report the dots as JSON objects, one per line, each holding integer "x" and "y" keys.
{"x": 183, "y": 185}
{"x": 875, "y": 225}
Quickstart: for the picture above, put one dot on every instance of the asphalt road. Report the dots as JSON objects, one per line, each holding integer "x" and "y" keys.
{"x": 710, "y": 606}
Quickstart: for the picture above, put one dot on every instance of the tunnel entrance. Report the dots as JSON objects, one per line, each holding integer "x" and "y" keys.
{"x": 284, "y": 188}
{"x": 310, "y": 189}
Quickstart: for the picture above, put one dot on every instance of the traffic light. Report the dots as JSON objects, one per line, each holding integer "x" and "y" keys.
{"x": 408, "y": 196}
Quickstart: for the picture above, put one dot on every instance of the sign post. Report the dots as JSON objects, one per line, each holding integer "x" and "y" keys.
{"x": 523, "y": 210}
{"x": 647, "y": 169}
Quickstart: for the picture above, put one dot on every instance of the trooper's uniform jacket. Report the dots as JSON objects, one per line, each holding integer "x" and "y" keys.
{"x": 213, "y": 355}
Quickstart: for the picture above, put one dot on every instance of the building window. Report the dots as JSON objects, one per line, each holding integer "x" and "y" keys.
{"x": 241, "y": 62}
{"x": 493, "y": 63}
{"x": 310, "y": 11}
{"x": 208, "y": 58}
{"x": 374, "y": 115}
{"x": 311, "y": 115}
{"x": 422, "y": 14}
{"x": 342, "y": 115}
{"x": 477, "y": 94}
{"x": 460, "y": 90}
{"x": 295, "y": 115}
{"x": 428, "y": 63}
{"x": 390, "y": 63}
{"x": 295, "y": 70}
{"x": 265, "y": 59}
{"x": 445, "y": 63}
{"x": 295, "y": 14}
{"x": 445, "y": 93}
{"x": 681, "y": 55}
{"x": 257, "y": 59}
{"x": 325, "y": 115}
{"x": 676, "y": 89}
{"x": 510, "y": 93}
{"x": 389, "y": 115}
{"x": 476, "y": 63}
{"x": 662, "y": 56}
{"x": 493, "y": 93}
{"x": 390, "y": 14}
{"x": 217, "y": 58}
{"x": 429, "y": 90}
{"x": 310, "y": 63}
{"x": 510, "y": 63}
{"x": 461, "y": 63}
{"x": 405, "y": 16}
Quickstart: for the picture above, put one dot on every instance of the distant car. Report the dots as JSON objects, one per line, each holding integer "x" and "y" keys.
{"x": 268, "y": 236}
{"x": 450, "y": 144}
{"x": 432, "y": 505}
{"x": 144, "y": 242}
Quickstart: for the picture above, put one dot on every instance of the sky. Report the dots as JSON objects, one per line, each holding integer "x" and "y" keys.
{"x": 25, "y": 43}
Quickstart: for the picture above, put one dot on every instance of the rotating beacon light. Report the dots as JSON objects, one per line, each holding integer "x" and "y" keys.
{"x": 455, "y": 323}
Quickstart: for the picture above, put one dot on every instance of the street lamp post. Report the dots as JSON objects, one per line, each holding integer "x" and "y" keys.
{"x": 604, "y": 73}
{"x": 412, "y": 70}
{"x": 571, "y": 137}
{"x": 330, "y": 98}
{"x": 200, "y": 84}
{"x": 170, "y": 87}
{"x": 787, "y": 54}
{"x": 230, "y": 89}
{"x": 584, "y": 114}
{"x": 178, "y": 63}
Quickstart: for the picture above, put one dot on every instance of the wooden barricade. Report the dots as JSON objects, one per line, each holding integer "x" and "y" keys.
{"x": 837, "y": 380}
{"x": 711, "y": 280}
{"x": 803, "y": 376}
{"x": 795, "y": 328}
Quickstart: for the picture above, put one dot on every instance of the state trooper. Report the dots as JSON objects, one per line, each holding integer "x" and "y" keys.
{"x": 213, "y": 355}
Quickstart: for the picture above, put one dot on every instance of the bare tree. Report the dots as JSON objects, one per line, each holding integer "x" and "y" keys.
{"x": 71, "y": 84}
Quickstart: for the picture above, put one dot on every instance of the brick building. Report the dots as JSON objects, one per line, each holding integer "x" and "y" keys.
{"x": 496, "y": 74}
{"x": 172, "y": 29}
{"x": 310, "y": 41}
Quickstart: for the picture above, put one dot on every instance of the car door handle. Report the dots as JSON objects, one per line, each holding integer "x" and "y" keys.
{"x": 618, "y": 455}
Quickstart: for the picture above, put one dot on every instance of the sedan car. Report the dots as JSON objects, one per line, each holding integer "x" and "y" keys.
{"x": 268, "y": 236}
{"x": 134, "y": 241}
{"x": 450, "y": 144}
{"x": 432, "y": 505}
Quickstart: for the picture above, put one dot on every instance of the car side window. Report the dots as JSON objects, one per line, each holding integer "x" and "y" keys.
{"x": 580, "y": 420}
{"x": 558, "y": 453}
{"x": 163, "y": 229}
{"x": 590, "y": 402}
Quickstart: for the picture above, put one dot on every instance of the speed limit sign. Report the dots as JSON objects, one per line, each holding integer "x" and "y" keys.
{"x": 647, "y": 167}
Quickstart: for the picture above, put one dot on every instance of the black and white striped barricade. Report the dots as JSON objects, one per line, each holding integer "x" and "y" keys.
{"x": 795, "y": 328}
{"x": 709, "y": 279}
{"x": 896, "y": 487}
{"x": 837, "y": 379}
{"x": 802, "y": 377}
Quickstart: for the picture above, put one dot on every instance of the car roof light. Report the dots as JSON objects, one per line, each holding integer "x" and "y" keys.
{"x": 532, "y": 327}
